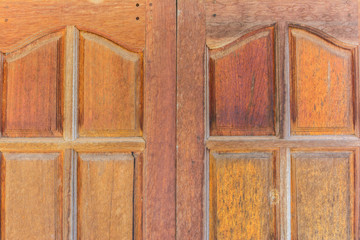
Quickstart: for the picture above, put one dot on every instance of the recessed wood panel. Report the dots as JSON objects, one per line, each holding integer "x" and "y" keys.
{"x": 242, "y": 86}
{"x": 243, "y": 196}
{"x": 105, "y": 196}
{"x": 322, "y": 89}
{"x": 31, "y": 188}
{"x": 110, "y": 95}
{"x": 32, "y": 91}
{"x": 322, "y": 195}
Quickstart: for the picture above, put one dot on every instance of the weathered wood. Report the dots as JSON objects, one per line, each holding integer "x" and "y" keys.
{"x": 323, "y": 80}
{"x": 243, "y": 195}
{"x": 33, "y": 89}
{"x": 21, "y": 20}
{"x": 110, "y": 88}
{"x": 159, "y": 120}
{"x": 31, "y": 196}
{"x": 190, "y": 184}
{"x": 323, "y": 195}
{"x": 105, "y": 196}
{"x": 242, "y": 86}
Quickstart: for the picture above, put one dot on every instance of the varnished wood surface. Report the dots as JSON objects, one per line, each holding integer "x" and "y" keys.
{"x": 323, "y": 81}
{"x": 190, "y": 125}
{"x": 323, "y": 195}
{"x": 105, "y": 196}
{"x": 33, "y": 89}
{"x": 242, "y": 86}
{"x": 243, "y": 195}
{"x": 110, "y": 88}
{"x": 31, "y": 196}
{"x": 117, "y": 20}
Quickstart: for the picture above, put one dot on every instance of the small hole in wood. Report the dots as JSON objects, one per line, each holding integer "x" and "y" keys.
{"x": 137, "y": 5}
{"x": 137, "y": 18}
{"x": 6, "y": 19}
{"x": 214, "y": 15}
{"x": 150, "y": 4}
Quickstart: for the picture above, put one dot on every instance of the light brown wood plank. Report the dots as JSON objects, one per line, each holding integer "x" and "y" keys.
{"x": 105, "y": 196}
{"x": 243, "y": 195}
{"x": 113, "y": 19}
{"x": 110, "y": 88}
{"x": 322, "y": 85}
{"x": 190, "y": 184}
{"x": 32, "y": 197}
{"x": 160, "y": 120}
{"x": 323, "y": 195}
{"x": 33, "y": 89}
{"x": 242, "y": 86}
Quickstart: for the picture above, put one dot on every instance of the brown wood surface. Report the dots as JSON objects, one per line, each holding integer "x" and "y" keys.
{"x": 322, "y": 195}
{"x": 226, "y": 20}
{"x": 322, "y": 85}
{"x": 190, "y": 181}
{"x": 110, "y": 88}
{"x": 33, "y": 89}
{"x": 21, "y": 20}
{"x": 242, "y": 86}
{"x": 159, "y": 120}
{"x": 105, "y": 196}
{"x": 31, "y": 196}
{"x": 243, "y": 195}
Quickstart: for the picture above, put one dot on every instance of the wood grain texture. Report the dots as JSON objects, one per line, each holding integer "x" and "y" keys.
{"x": 160, "y": 120}
{"x": 323, "y": 195}
{"x": 323, "y": 91}
{"x": 110, "y": 88}
{"x": 243, "y": 195}
{"x": 33, "y": 89}
{"x": 31, "y": 196}
{"x": 242, "y": 86}
{"x": 190, "y": 125}
{"x": 226, "y": 20}
{"x": 110, "y": 18}
{"x": 105, "y": 196}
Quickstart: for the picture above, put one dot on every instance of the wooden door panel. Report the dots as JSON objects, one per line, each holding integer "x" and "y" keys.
{"x": 110, "y": 88}
{"x": 74, "y": 81}
{"x": 243, "y": 195}
{"x": 105, "y": 195}
{"x": 323, "y": 85}
{"x": 323, "y": 194}
{"x": 33, "y": 88}
{"x": 314, "y": 70}
{"x": 31, "y": 195}
{"x": 242, "y": 86}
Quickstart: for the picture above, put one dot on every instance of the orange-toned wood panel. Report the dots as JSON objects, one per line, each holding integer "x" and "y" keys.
{"x": 32, "y": 91}
{"x": 110, "y": 88}
{"x": 242, "y": 86}
{"x": 122, "y": 21}
{"x": 243, "y": 195}
{"x": 323, "y": 195}
{"x": 322, "y": 85}
{"x": 105, "y": 196}
{"x": 31, "y": 196}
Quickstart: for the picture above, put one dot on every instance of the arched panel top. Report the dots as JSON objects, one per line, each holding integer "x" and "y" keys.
{"x": 323, "y": 76}
{"x": 242, "y": 85}
{"x": 110, "y": 83}
{"x": 32, "y": 91}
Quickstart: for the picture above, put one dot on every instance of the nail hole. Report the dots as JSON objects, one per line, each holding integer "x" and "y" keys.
{"x": 137, "y": 5}
{"x": 137, "y": 18}
{"x": 6, "y": 19}
{"x": 150, "y": 4}
{"x": 214, "y": 15}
